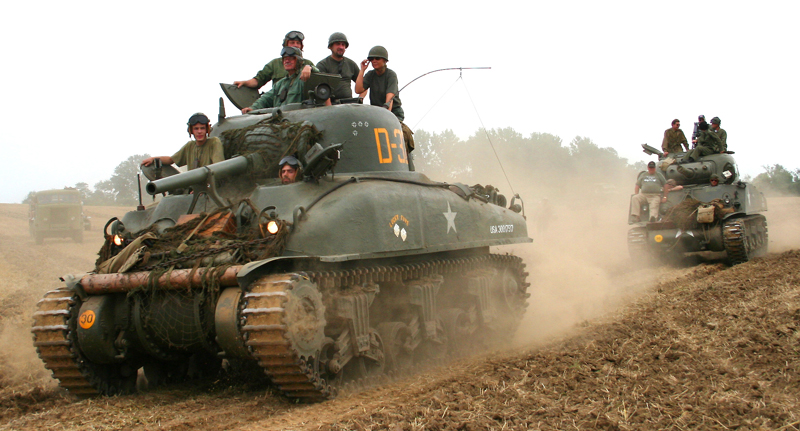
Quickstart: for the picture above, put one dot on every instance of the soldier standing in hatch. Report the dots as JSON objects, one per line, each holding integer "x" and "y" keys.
{"x": 289, "y": 168}
{"x": 274, "y": 70}
{"x": 201, "y": 151}
{"x": 382, "y": 85}
{"x": 707, "y": 143}
{"x": 721, "y": 133}
{"x": 339, "y": 64}
{"x": 674, "y": 139}
{"x": 649, "y": 188}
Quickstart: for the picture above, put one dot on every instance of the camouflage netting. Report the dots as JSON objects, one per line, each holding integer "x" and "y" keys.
{"x": 684, "y": 215}
{"x": 272, "y": 138}
{"x": 220, "y": 249}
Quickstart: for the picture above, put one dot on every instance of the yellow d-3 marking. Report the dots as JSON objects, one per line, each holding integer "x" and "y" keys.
{"x": 390, "y": 146}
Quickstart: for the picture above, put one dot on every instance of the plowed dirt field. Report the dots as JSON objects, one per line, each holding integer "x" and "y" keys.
{"x": 604, "y": 345}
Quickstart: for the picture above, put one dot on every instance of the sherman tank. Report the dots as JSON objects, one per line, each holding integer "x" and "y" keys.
{"x": 701, "y": 216}
{"x": 362, "y": 268}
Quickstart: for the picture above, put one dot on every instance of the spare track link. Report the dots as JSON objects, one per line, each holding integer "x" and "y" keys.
{"x": 742, "y": 238}
{"x": 52, "y": 332}
{"x": 265, "y": 328}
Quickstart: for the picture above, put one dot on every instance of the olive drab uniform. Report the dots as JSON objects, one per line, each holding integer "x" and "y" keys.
{"x": 673, "y": 139}
{"x": 194, "y": 156}
{"x": 723, "y": 138}
{"x": 274, "y": 71}
{"x": 287, "y": 90}
{"x": 707, "y": 143}
{"x": 347, "y": 68}
{"x": 650, "y": 191}
{"x": 379, "y": 86}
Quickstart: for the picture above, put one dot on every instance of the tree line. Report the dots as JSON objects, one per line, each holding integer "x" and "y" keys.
{"x": 503, "y": 157}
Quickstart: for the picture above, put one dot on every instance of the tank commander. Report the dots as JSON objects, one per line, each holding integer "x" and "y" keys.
{"x": 199, "y": 152}
{"x": 674, "y": 140}
{"x": 649, "y": 188}
{"x": 721, "y": 133}
{"x": 382, "y": 85}
{"x": 274, "y": 71}
{"x": 287, "y": 90}
{"x": 289, "y": 169}
{"x": 714, "y": 180}
{"x": 339, "y": 64}
{"x": 707, "y": 143}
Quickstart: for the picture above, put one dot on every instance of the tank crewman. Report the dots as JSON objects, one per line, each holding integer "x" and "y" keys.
{"x": 287, "y": 90}
{"x": 707, "y": 143}
{"x": 274, "y": 70}
{"x": 714, "y": 180}
{"x": 290, "y": 167}
{"x": 721, "y": 133}
{"x": 674, "y": 139}
{"x": 701, "y": 119}
{"x": 669, "y": 187}
{"x": 382, "y": 85}
{"x": 199, "y": 152}
{"x": 339, "y": 64}
{"x": 649, "y": 188}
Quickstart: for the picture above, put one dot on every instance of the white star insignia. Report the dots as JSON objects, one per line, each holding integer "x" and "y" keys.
{"x": 451, "y": 219}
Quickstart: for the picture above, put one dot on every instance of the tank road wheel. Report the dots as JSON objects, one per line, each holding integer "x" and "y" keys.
{"x": 55, "y": 338}
{"x": 434, "y": 349}
{"x": 460, "y": 327}
{"x": 640, "y": 253}
{"x": 513, "y": 297}
{"x": 397, "y": 343}
{"x": 370, "y": 364}
{"x": 283, "y": 322}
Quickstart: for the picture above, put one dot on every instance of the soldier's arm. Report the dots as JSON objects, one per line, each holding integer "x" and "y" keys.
{"x": 664, "y": 142}
{"x": 166, "y": 160}
{"x": 360, "y": 88}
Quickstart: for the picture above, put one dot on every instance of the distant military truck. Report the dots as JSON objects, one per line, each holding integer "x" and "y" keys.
{"x": 57, "y": 214}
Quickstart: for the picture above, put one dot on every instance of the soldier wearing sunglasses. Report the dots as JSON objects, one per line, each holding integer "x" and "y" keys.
{"x": 287, "y": 90}
{"x": 274, "y": 71}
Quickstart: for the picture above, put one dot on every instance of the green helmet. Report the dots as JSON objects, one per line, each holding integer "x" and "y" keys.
{"x": 292, "y": 51}
{"x": 378, "y": 52}
{"x": 293, "y": 35}
{"x": 716, "y": 121}
{"x": 338, "y": 37}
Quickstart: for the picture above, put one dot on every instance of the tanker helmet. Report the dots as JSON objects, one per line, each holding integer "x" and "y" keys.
{"x": 291, "y": 161}
{"x": 198, "y": 118}
{"x": 293, "y": 35}
{"x": 714, "y": 177}
{"x": 378, "y": 52}
{"x": 338, "y": 37}
{"x": 292, "y": 51}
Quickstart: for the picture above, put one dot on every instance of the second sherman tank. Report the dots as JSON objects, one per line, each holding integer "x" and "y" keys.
{"x": 712, "y": 210}
{"x": 361, "y": 268}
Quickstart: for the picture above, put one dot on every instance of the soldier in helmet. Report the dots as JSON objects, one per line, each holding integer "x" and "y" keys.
{"x": 714, "y": 180}
{"x": 274, "y": 70}
{"x": 196, "y": 153}
{"x": 674, "y": 139}
{"x": 701, "y": 119}
{"x": 382, "y": 85}
{"x": 721, "y": 133}
{"x": 339, "y": 64}
{"x": 287, "y": 90}
{"x": 289, "y": 169}
{"x": 707, "y": 143}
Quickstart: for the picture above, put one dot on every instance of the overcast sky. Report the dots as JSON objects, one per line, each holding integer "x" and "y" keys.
{"x": 88, "y": 84}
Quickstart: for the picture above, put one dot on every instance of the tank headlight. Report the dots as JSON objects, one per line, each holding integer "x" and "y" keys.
{"x": 272, "y": 227}
{"x": 118, "y": 240}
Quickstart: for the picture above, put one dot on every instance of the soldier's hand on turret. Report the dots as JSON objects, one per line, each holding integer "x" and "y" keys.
{"x": 252, "y": 83}
{"x": 148, "y": 161}
{"x": 305, "y": 73}
{"x": 246, "y": 110}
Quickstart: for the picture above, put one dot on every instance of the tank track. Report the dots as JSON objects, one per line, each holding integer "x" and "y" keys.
{"x": 52, "y": 336}
{"x": 265, "y": 327}
{"x": 745, "y": 238}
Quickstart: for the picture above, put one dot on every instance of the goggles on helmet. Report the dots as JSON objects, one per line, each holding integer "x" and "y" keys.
{"x": 198, "y": 118}
{"x": 295, "y": 35}
{"x": 289, "y": 160}
{"x": 291, "y": 51}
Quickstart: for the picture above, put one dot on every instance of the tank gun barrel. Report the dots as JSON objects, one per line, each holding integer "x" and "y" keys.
{"x": 223, "y": 169}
